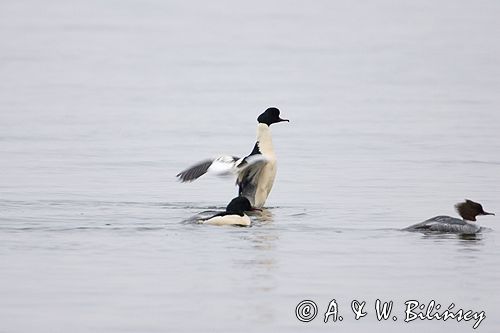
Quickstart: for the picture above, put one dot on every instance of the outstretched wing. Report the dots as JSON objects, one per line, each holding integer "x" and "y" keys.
{"x": 222, "y": 165}
{"x": 195, "y": 171}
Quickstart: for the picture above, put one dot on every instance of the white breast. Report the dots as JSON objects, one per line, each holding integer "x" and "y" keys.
{"x": 265, "y": 183}
{"x": 229, "y": 220}
{"x": 268, "y": 173}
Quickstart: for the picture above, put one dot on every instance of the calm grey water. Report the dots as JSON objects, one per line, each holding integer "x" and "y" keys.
{"x": 394, "y": 109}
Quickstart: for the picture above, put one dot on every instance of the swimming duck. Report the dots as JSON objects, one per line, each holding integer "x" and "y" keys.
{"x": 234, "y": 214}
{"x": 468, "y": 210}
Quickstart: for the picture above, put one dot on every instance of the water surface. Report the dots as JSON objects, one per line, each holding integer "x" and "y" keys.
{"x": 394, "y": 118}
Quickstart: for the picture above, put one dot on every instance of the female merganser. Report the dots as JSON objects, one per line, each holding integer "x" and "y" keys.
{"x": 468, "y": 210}
{"x": 255, "y": 173}
{"x": 234, "y": 214}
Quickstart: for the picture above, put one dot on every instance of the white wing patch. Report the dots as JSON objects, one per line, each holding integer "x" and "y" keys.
{"x": 223, "y": 166}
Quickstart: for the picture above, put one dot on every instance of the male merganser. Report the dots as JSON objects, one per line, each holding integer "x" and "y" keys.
{"x": 468, "y": 210}
{"x": 255, "y": 172}
{"x": 234, "y": 214}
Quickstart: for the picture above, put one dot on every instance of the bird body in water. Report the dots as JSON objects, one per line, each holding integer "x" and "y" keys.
{"x": 468, "y": 210}
{"x": 234, "y": 214}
